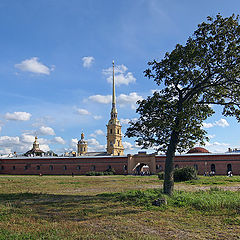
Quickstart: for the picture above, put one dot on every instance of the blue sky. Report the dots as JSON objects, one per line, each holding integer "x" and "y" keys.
{"x": 55, "y": 67}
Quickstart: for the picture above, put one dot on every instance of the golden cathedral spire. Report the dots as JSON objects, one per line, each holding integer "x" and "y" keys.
{"x": 114, "y": 136}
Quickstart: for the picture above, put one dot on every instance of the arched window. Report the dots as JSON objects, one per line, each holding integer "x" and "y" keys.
{"x": 78, "y": 167}
{"x": 2, "y": 167}
{"x": 65, "y": 167}
{"x": 118, "y": 131}
{"x": 111, "y": 131}
{"x": 25, "y": 167}
{"x": 213, "y": 168}
{"x": 229, "y": 167}
{"x": 109, "y": 167}
{"x": 51, "y": 167}
{"x": 14, "y": 167}
{"x": 118, "y": 143}
{"x": 125, "y": 167}
{"x": 38, "y": 167}
{"x": 196, "y": 166}
{"x": 93, "y": 168}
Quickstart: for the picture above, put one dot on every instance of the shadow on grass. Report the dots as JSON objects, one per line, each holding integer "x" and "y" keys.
{"x": 63, "y": 207}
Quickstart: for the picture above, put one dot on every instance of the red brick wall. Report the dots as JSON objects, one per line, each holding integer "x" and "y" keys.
{"x": 203, "y": 163}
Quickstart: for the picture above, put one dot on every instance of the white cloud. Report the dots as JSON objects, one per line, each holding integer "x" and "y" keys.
{"x": 217, "y": 147}
{"x": 97, "y": 132}
{"x": 97, "y": 117}
{"x": 58, "y": 140}
{"x": 46, "y": 131}
{"x": 220, "y": 123}
{"x": 208, "y": 125}
{"x": 34, "y": 66}
{"x": 18, "y": 116}
{"x": 82, "y": 111}
{"x": 95, "y": 146}
{"x": 87, "y": 61}
{"x": 26, "y": 138}
{"x": 131, "y": 99}
{"x": 126, "y": 120}
{"x": 7, "y": 141}
{"x": 0, "y": 128}
{"x": 101, "y": 98}
{"x": 121, "y": 75}
{"x": 211, "y": 136}
{"x": 73, "y": 143}
{"x": 127, "y": 146}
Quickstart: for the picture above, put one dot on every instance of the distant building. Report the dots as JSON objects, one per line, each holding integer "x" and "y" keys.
{"x": 82, "y": 146}
{"x": 35, "y": 151}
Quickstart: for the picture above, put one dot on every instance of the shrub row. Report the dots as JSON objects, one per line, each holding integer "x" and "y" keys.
{"x": 107, "y": 172}
{"x": 181, "y": 174}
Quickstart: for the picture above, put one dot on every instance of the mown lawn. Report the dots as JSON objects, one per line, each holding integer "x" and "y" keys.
{"x": 117, "y": 207}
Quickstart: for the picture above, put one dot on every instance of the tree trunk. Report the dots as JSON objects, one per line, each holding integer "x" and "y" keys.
{"x": 168, "y": 176}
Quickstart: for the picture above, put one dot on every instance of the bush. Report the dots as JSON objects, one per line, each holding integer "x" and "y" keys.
{"x": 161, "y": 175}
{"x": 184, "y": 174}
{"x": 93, "y": 173}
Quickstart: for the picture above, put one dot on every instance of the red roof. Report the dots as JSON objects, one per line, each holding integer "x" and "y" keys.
{"x": 198, "y": 150}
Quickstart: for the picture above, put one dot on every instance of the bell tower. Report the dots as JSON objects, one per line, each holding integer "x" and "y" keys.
{"x": 82, "y": 146}
{"x": 114, "y": 135}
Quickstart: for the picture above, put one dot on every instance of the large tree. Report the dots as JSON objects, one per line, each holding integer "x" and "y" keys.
{"x": 193, "y": 77}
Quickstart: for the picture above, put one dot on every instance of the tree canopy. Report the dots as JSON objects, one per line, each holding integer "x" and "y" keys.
{"x": 193, "y": 77}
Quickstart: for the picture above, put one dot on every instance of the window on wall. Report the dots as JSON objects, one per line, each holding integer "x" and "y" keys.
{"x": 196, "y": 166}
{"x": 2, "y": 167}
{"x": 38, "y": 167}
{"x": 25, "y": 167}
{"x": 111, "y": 131}
{"x": 93, "y": 168}
{"x": 65, "y": 167}
{"x": 78, "y": 167}
{"x": 118, "y": 131}
{"x": 125, "y": 167}
{"x": 51, "y": 167}
{"x": 213, "y": 168}
{"x": 109, "y": 167}
{"x": 176, "y": 166}
{"x": 229, "y": 167}
{"x": 14, "y": 167}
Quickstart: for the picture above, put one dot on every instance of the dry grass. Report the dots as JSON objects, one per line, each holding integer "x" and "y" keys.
{"x": 65, "y": 207}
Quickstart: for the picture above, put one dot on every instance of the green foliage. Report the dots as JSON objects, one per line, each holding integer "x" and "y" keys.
{"x": 160, "y": 175}
{"x": 184, "y": 174}
{"x": 204, "y": 71}
{"x": 214, "y": 199}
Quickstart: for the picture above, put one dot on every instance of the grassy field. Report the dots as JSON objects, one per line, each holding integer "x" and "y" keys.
{"x": 117, "y": 207}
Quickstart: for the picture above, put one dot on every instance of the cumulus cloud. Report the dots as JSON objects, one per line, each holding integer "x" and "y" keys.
{"x": 18, "y": 116}
{"x": 101, "y": 98}
{"x": 126, "y": 120}
{"x": 34, "y": 66}
{"x": 95, "y": 146}
{"x": 217, "y": 147}
{"x": 21, "y": 144}
{"x": 121, "y": 75}
{"x": 131, "y": 99}
{"x": 73, "y": 143}
{"x": 46, "y": 131}
{"x": 87, "y": 61}
{"x": 58, "y": 140}
{"x": 122, "y": 99}
{"x": 97, "y": 133}
{"x": 220, "y": 123}
{"x": 82, "y": 111}
{"x": 127, "y": 146}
